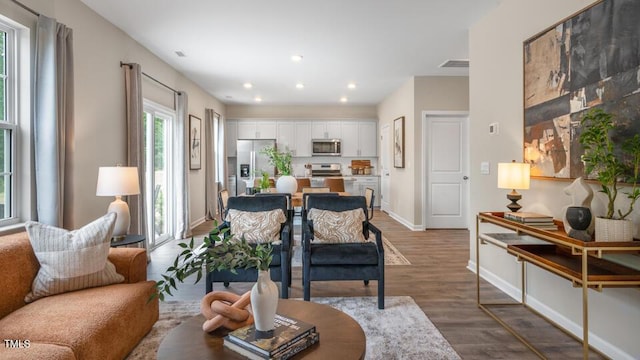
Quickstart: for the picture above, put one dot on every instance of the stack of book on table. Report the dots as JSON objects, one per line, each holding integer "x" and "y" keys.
{"x": 539, "y": 221}
{"x": 290, "y": 337}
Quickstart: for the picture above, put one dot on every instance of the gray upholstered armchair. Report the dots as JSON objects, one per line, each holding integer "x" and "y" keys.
{"x": 334, "y": 246}
{"x": 280, "y": 267}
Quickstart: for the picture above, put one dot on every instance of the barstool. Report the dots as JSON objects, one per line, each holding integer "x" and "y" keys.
{"x": 334, "y": 184}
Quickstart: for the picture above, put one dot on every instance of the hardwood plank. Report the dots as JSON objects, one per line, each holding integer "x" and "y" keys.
{"x": 438, "y": 281}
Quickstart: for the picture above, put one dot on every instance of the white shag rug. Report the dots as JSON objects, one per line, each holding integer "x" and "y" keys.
{"x": 400, "y": 331}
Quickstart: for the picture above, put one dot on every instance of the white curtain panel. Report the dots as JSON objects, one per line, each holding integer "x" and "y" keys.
{"x": 181, "y": 161}
{"x": 222, "y": 134}
{"x": 211, "y": 185}
{"x": 135, "y": 148}
{"x": 53, "y": 117}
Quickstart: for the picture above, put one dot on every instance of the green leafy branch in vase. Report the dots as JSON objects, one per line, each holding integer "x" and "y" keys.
{"x": 219, "y": 251}
{"x": 281, "y": 160}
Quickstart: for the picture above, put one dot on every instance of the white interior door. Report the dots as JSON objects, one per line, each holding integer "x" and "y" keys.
{"x": 385, "y": 148}
{"x": 446, "y": 192}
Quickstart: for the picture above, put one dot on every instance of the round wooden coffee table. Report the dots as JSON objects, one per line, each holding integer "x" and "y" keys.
{"x": 341, "y": 337}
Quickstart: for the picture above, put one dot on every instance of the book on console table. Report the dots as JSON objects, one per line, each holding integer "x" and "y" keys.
{"x": 288, "y": 331}
{"x": 528, "y": 217}
{"x": 283, "y": 354}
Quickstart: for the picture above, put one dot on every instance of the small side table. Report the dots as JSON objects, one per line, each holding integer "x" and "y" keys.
{"x": 128, "y": 240}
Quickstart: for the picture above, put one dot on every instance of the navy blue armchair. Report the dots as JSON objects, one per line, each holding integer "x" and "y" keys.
{"x": 341, "y": 261}
{"x": 280, "y": 267}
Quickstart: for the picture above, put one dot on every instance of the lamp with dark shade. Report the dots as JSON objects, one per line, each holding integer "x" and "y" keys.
{"x": 118, "y": 181}
{"x": 514, "y": 176}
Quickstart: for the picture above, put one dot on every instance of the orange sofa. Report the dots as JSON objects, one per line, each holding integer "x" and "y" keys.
{"x": 96, "y": 323}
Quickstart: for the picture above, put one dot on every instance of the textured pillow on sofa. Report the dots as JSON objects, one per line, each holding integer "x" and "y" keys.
{"x": 256, "y": 226}
{"x": 72, "y": 260}
{"x": 337, "y": 226}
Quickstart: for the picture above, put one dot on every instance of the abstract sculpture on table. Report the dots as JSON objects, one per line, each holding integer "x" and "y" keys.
{"x": 226, "y": 309}
{"x": 581, "y": 196}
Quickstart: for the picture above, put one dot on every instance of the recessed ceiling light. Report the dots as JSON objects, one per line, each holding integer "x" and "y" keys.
{"x": 351, "y": 86}
{"x": 247, "y": 85}
{"x": 296, "y": 58}
{"x": 180, "y": 53}
{"x": 344, "y": 99}
{"x": 258, "y": 99}
{"x": 299, "y": 86}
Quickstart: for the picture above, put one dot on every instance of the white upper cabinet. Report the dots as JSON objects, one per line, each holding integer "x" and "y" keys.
{"x": 359, "y": 138}
{"x": 368, "y": 138}
{"x": 286, "y": 136}
{"x": 302, "y": 139}
{"x": 325, "y": 130}
{"x": 231, "y": 135}
{"x": 257, "y": 129}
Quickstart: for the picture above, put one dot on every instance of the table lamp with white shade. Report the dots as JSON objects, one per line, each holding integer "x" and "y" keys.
{"x": 118, "y": 181}
{"x": 514, "y": 176}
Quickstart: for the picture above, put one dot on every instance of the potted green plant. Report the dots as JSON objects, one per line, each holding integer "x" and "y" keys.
{"x": 282, "y": 161}
{"x": 613, "y": 166}
{"x": 264, "y": 181}
{"x": 220, "y": 252}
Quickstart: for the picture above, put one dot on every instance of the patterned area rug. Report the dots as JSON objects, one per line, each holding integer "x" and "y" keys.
{"x": 400, "y": 331}
{"x": 392, "y": 256}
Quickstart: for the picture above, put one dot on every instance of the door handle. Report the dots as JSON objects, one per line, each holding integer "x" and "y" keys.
{"x": 465, "y": 178}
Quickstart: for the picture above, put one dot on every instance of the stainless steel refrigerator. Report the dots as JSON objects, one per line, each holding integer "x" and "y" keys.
{"x": 251, "y": 163}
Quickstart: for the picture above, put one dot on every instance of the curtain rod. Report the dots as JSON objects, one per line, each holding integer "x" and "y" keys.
{"x": 151, "y": 78}
{"x": 26, "y": 7}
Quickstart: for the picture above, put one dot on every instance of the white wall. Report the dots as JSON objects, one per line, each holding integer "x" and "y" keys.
{"x": 496, "y": 96}
{"x": 100, "y": 136}
{"x": 420, "y": 93}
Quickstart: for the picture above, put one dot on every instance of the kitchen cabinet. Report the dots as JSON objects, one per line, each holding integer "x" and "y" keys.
{"x": 325, "y": 130}
{"x": 302, "y": 141}
{"x": 295, "y": 136}
{"x": 231, "y": 135}
{"x": 361, "y": 183}
{"x": 257, "y": 129}
{"x": 360, "y": 138}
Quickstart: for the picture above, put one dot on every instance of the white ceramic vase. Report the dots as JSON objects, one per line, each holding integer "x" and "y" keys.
{"x": 613, "y": 230}
{"x": 264, "y": 301}
{"x": 287, "y": 184}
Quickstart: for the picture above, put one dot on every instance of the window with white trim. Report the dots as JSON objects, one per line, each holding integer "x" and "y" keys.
{"x": 9, "y": 131}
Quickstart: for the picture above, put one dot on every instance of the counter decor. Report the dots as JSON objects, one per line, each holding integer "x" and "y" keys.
{"x": 282, "y": 161}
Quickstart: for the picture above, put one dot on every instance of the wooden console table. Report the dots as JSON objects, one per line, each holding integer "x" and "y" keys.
{"x": 578, "y": 261}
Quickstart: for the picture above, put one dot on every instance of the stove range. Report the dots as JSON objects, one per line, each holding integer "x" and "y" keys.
{"x": 325, "y": 169}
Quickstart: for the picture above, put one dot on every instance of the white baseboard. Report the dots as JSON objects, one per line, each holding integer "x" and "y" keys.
{"x": 569, "y": 325}
{"x": 198, "y": 222}
{"x": 404, "y": 222}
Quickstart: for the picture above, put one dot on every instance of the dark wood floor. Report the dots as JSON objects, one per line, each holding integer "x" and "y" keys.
{"x": 440, "y": 284}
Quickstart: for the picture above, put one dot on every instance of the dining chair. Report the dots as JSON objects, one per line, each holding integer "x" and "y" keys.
{"x": 369, "y": 197}
{"x": 302, "y": 183}
{"x": 334, "y": 184}
{"x": 223, "y": 198}
{"x": 315, "y": 189}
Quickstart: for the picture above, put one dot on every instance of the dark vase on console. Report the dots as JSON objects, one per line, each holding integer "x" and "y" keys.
{"x": 579, "y": 217}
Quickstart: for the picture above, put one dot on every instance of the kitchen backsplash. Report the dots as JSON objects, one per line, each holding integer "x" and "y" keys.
{"x": 298, "y": 164}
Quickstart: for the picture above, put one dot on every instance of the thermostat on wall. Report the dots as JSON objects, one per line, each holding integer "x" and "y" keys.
{"x": 493, "y": 128}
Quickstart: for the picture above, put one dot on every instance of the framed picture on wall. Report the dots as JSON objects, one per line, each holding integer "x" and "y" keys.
{"x": 195, "y": 144}
{"x": 580, "y": 63}
{"x": 398, "y": 142}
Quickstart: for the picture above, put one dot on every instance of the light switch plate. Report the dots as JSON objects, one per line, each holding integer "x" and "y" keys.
{"x": 493, "y": 128}
{"x": 484, "y": 168}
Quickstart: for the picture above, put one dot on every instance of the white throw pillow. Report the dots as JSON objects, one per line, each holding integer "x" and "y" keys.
{"x": 337, "y": 226}
{"x": 72, "y": 260}
{"x": 256, "y": 226}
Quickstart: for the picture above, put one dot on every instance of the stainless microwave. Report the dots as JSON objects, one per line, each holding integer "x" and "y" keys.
{"x": 326, "y": 147}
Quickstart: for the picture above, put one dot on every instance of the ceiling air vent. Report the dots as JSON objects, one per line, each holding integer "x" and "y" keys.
{"x": 455, "y": 64}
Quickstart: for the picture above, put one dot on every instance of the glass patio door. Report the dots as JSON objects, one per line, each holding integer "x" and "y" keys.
{"x": 158, "y": 122}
